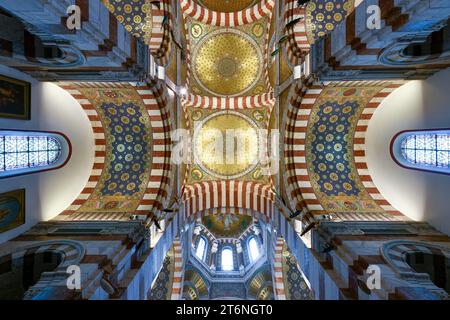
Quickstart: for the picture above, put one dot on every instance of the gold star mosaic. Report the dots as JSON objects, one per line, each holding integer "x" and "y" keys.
{"x": 323, "y": 16}
{"x": 135, "y": 15}
{"x": 227, "y": 62}
{"x": 228, "y": 145}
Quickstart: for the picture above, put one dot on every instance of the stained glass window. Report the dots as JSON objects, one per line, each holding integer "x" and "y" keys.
{"x": 227, "y": 260}
{"x": 427, "y": 149}
{"x": 201, "y": 249}
{"x": 253, "y": 249}
{"x": 21, "y": 152}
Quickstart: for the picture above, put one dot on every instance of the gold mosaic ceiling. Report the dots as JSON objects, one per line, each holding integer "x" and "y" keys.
{"x": 227, "y": 5}
{"x": 227, "y": 145}
{"x": 239, "y": 161}
{"x": 135, "y": 15}
{"x": 322, "y": 16}
{"x": 227, "y": 225}
{"x": 227, "y": 62}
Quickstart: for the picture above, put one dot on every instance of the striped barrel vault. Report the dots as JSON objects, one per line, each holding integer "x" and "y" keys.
{"x": 227, "y": 19}
{"x": 228, "y": 194}
{"x": 280, "y": 293}
{"x": 177, "y": 283}
{"x": 359, "y": 147}
{"x": 100, "y": 147}
{"x": 159, "y": 43}
{"x": 297, "y": 44}
{"x": 159, "y": 183}
{"x": 298, "y": 185}
{"x": 263, "y": 100}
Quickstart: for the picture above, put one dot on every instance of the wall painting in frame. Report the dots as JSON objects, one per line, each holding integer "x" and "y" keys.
{"x": 15, "y": 98}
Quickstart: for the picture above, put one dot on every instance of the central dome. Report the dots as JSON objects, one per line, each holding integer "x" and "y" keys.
{"x": 227, "y": 63}
{"x": 227, "y": 145}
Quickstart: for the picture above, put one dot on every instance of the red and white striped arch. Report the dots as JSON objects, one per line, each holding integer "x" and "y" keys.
{"x": 359, "y": 147}
{"x": 227, "y": 19}
{"x": 159, "y": 183}
{"x": 297, "y": 44}
{"x": 178, "y": 272}
{"x": 100, "y": 148}
{"x": 266, "y": 100}
{"x": 228, "y": 194}
{"x": 298, "y": 185}
{"x": 159, "y": 43}
{"x": 280, "y": 293}
{"x": 266, "y": 45}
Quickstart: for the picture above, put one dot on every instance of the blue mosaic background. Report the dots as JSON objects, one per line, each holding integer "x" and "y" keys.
{"x": 129, "y": 146}
{"x": 322, "y": 16}
{"x": 330, "y": 149}
{"x": 160, "y": 289}
{"x": 296, "y": 285}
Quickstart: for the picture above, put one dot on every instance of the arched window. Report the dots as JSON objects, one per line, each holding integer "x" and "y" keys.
{"x": 227, "y": 259}
{"x": 423, "y": 150}
{"x": 200, "y": 252}
{"x": 253, "y": 249}
{"x": 23, "y": 152}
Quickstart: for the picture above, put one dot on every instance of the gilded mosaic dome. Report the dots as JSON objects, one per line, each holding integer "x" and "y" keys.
{"x": 227, "y": 63}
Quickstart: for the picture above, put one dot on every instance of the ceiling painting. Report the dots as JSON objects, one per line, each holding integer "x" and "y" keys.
{"x": 329, "y": 149}
{"x": 227, "y": 62}
{"x": 322, "y": 16}
{"x": 228, "y": 145}
{"x": 128, "y": 160}
{"x": 294, "y": 282}
{"x": 135, "y": 15}
{"x": 227, "y": 225}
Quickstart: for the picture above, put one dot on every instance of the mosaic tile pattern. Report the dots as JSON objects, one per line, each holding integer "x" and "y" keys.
{"x": 128, "y": 156}
{"x": 322, "y": 16}
{"x": 227, "y": 62}
{"x": 135, "y": 15}
{"x": 330, "y": 138}
{"x": 244, "y": 167}
{"x": 162, "y": 288}
{"x": 296, "y": 287}
{"x": 130, "y": 145}
{"x": 329, "y": 150}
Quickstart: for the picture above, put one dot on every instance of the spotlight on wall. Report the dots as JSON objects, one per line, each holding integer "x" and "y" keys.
{"x": 182, "y": 91}
{"x": 297, "y": 72}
